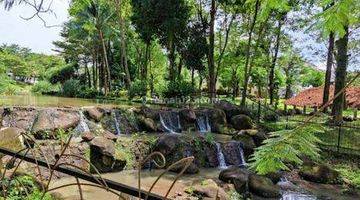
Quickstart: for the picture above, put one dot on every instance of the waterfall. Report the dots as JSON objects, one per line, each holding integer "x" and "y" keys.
{"x": 241, "y": 155}
{"x": 203, "y": 124}
{"x": 289, "y": 195}
{"x": 170, "y": 122}
{"x": 116, "y": 117}
{"x": 82, "y": 127}
{"x": 220, "y": 156}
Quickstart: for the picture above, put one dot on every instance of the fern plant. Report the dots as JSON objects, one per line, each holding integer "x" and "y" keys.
{"x": 286, "y": 146}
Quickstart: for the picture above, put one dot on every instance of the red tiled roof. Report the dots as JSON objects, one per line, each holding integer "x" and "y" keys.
{"x": 313, "y": 97}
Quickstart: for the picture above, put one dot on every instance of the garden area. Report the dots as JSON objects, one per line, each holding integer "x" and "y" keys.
{"x": 180, "y": 99}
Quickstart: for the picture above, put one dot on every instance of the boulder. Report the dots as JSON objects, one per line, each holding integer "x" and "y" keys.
{"x": 217, "y": 119}
{"x": 50, "y": 120}
{"x": 247, "y": 142}
{"x": 93, "y": 113}
{"x": 211, "y": 154}
{"x": 241, "y": 122}
{"x": 18, "y": 117}
{"x": 232, "y": 153}
{"x": 188, "y": 115}
{"x": 147, "y": 124}
{"x": 87, "y": 136}
{"x": 237, "y": 176}
{"x": 9, "y": 162}
{"x": 120, "y": 121}
{"x": 233, "y": 172}
{"x": 149, "y": 113}
{"x": 176, "y": 147}
{"x": 263, "y": 186}
{"x": 110, "y": 136}
{"x": 319, "y": 173}
{"x": 102, "y": 156}
{"x": 208, "y": 189}
{"x": 11, "y": 138}
{"x": 230, "y": 109}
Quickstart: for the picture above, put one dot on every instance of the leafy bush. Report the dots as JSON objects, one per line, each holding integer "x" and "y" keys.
{"x": 71, "y": 87}
{"x": 178, "y": 88}
{"x": 60, "y": 75}
{"x": 137, "y": 88}
{"x": 286, "y": 146}
{"x": 88, "y": 93}
{"x": 24, "y": 187}
{"x": 271, "y": 117}
{"x": 8, "y": 86}
{"x": 45, "y": 87}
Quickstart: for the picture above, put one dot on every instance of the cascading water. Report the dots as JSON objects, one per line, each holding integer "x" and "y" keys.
{"x": 220, "y": 157}
{"x": 241, "y": 155}
{"x": 170, "y": 121}
{"x": 289, "y": 195}
{"x": 203, "y": 124}
{"x": 292, "y": 193}
{"x": 82, "y": 127}
{"x": 116, "y": 117}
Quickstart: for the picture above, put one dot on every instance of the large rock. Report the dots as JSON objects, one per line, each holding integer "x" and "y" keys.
{"x": 230, "y": 109}
{"x": 102, "y": 156}
{"x": 237, "y": 176}
{"x": 18, "y": 117}
{"x": 120, "y": 121}
{"x": 241, "y": 122}
{"x": 319, "y": 173}
{"x": 149, "y": 112}
{"x": 11, "y": 138}
{"x": 208, "y": 189}
{"x": 147, "y": 124}
{"x": 247, "y": 142}
{"x": 232, "y": 153}
{"x": 48, "y": 121}
{"x": 217, "y": 118}
{"x": 188, "y": 115}
{"x": 263, "y": 186}
{"x": 93, "y": 113}
{"x": 176, "y": 147}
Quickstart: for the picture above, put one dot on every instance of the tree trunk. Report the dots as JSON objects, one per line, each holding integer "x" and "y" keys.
{"x": 340, "y": 75}
{"x": 179, "y": 69}
{"x": 171, "y": 57}
{"x": 106, "y": 63}
{"x": 248, "y": 48}
{"x": 193, "y": 77}
{"x": 273, "y": 63}
{"x": 211, "y": 62}
{"x": 123, "y": 58}
{"x": 329, "y": 64}
{"x": 146, "y": 62}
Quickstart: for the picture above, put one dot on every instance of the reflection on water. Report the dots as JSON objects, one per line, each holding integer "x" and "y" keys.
{"x": 44, "y": 101}
{"x": 129, "y": 177}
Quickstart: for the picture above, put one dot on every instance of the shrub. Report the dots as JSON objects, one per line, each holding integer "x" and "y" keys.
{"x": 271, "y": 117}
{"x": 60, "y": 75}
{"x": 88, "y": 93}
{"x": 71, "y": 87}
{"x": 137, "y": 88}
{"x": 45, "y": 87}
{"x": 8, "y": 86}
{"x": 178, "y": 88}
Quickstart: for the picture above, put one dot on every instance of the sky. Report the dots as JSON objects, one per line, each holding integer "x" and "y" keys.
{"x": 32, "y": 33}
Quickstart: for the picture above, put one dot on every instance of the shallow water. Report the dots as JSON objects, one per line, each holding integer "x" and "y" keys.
{"x": 129, "y": 177}
{"x": 52, "y": 101}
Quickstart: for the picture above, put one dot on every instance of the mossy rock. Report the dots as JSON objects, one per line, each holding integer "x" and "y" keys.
{"x": 318, "y": 173}
{"x": 241, "y": 122}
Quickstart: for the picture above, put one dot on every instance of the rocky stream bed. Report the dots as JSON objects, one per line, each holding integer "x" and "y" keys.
{"x": 220, "y": 138}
